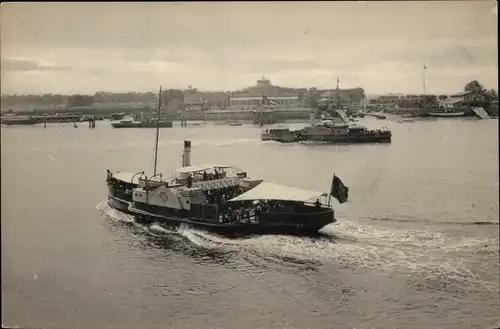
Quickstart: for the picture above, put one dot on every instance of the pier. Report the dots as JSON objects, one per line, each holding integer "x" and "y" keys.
{"x": 239, "y": 115}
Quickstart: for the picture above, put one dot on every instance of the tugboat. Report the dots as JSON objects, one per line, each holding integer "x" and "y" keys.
{"x": 209, "y": 197}
{"x": 283, "y": 135}
{"x": 333, "y": 129}
{"x": 328, "y": 130}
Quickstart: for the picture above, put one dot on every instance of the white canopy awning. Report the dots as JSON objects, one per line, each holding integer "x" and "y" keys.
{"x": 271, "y": 191}
{"x": 127, "y": 177}
{"x": 203, "y": 167}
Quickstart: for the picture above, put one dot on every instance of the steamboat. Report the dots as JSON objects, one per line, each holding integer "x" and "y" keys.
{"x": 221, "y": 199}
{"x": 330, "y": 130}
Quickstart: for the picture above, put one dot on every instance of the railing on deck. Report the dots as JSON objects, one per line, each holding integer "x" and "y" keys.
{"x": 209, "y": 212}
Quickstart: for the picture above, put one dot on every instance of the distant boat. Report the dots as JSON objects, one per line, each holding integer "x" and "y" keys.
{"x": 117, "y": 116}
{"x": 330, "y": 132}
{"x": 26, "y": 121}
{"x": 378, "y": 115}
{"x": 233, "y": 123}
{"x": 447, "y": 114}
{"x": 405, "y": 119}
{"x": 142, "y": 124}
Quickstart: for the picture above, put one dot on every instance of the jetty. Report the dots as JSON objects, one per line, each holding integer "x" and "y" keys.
{"x": 481, "y": 113}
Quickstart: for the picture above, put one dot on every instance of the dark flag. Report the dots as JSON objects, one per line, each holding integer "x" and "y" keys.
{"x": 338, "y": 190}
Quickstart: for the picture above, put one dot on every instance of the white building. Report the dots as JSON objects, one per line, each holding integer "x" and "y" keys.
{"x": 263, "y": 93}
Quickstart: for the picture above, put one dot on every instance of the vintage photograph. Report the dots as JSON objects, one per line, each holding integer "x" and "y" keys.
{"x": 250, "y": 165}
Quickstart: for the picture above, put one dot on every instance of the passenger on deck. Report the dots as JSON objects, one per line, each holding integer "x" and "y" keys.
{"x": 189, "y": 181}
{"x": 317, "y": 203}
{"x": 205, "y": 176}
{"x": 216, "y": 173}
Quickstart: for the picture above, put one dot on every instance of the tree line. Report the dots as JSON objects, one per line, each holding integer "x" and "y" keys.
{"x": 52, "y": 100}
{"x": 489, "y": 95}
{"x": 310, "y": 97}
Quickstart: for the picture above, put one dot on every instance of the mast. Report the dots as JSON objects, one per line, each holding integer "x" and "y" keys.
{"x": 425, "y": 68}
{"x": 338, "y": 95}
{"x": 157, "y": 131}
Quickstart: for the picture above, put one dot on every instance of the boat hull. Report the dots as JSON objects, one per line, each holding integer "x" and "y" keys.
{"x": 378, "y": 116}
{"x": 119, "y": 204}
{"x": 20, "y": 122}
{"x": 166, "y": 124}
{"x": 119, "y": 198}
{"x": 269, "y": 222}
{"x": 283, "y": 139}
{"x": 447, "y": 114}
{"x": 384, "y": 138}
{"x": 332, "y": 139}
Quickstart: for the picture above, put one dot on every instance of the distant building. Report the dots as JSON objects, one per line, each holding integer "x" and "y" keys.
{"x": 463, "y": 99}
{"x": 216, "y": 99}
{"x": 346, "y": 97}
{"x": 417, "y": 102}
{"x": 469, "y": 97}
{"x": 264, "y": 93}
{"x": 195, "y": 100}
{"x": 173, "y": 105}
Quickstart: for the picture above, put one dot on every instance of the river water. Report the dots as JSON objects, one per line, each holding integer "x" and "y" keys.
{"x": 416, "y": 246}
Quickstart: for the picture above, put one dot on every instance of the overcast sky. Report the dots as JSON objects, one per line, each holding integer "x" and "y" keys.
{"x": 379, "y": 46}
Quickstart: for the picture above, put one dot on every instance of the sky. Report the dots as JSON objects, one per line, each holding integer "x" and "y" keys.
{"x": 120, "y": 47}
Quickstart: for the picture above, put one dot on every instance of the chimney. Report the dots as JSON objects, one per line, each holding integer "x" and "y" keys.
{"x": 186, "y": 156}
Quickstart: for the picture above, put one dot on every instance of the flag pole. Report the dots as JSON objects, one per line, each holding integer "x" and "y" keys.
{"x": 330, "y": 193}
{"x": 425, "y": 68}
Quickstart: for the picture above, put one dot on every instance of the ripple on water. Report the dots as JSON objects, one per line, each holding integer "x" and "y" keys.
{"x": 433, "y": 259}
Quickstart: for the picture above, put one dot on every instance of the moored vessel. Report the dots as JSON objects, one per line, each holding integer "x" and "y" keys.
{"x": 20, "y": 121}
{"x": 283, "y": 135}
{"x": 379, "y": 115}
{"x": 330, "y": 130}
{"x": 447, "y": 114}
{"x": 117, "y": 116}
{"x": 142, "y": 124}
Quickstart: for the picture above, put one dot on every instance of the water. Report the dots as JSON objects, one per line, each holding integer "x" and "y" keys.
{"x": 415, "y": 246}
